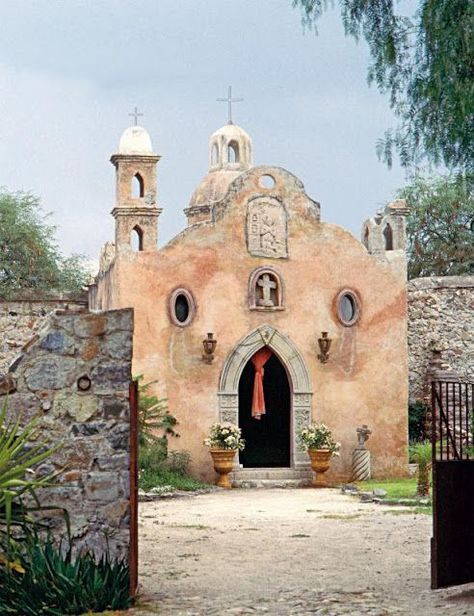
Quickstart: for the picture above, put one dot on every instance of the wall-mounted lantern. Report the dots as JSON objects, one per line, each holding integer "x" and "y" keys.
{"x": 324, "y": 346}
{"x": 209, "y": 345}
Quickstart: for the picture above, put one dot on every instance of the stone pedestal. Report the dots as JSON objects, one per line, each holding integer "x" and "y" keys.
{"x": 360, "y": 465}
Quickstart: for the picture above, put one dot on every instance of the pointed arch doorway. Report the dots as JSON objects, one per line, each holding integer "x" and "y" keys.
{"x": 268, "y": 437}
{"x": 290, "y": 360}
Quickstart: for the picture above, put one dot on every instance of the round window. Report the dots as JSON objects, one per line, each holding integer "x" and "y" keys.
{"x": 347, "y": 308}
{"x": 267, "y": 181}
{"x": 182, "y": 307}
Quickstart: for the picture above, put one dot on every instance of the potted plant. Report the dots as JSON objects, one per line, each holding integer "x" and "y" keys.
{"x": 224, "y": 441}
{"x": 321, "y": 447}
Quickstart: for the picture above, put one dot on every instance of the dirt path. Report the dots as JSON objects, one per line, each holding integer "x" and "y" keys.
{"x": 288, "y": 552}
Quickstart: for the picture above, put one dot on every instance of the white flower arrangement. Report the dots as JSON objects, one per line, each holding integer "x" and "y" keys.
{"x": 319, "y": 436}
{"x": 225, "y": 436}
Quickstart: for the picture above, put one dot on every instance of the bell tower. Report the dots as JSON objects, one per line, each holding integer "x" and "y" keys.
{"x": 136, "y": 211}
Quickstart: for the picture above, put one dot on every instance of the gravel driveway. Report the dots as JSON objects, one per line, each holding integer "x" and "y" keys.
{"x": 288, "y": 552}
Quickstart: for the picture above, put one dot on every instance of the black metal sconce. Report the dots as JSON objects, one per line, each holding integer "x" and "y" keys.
{"x": 209, "y": 345}
{"x": 324, "y": 346}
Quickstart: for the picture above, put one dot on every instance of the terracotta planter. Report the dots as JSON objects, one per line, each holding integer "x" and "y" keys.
{"x": 223, "y": 460}
{"x": 320, "y": 462}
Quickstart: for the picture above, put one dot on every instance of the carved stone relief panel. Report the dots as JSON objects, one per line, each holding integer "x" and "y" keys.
{"x": 267, "y": 234}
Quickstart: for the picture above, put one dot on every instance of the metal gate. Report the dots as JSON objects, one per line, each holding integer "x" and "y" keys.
{"x": 452, "y": 544}
{"x": 133, "y": 457}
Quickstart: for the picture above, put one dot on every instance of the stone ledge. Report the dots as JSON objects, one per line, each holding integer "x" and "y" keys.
{"x": 441, "y": 282}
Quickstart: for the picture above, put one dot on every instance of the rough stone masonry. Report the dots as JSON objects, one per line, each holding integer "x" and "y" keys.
{"x": 74, "y": 375}
{"x": 440, "y": 317}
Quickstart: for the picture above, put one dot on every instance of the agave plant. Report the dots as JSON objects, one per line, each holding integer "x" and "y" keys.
{"x": 47, "y": 580}
{"x": 17, "y": 457}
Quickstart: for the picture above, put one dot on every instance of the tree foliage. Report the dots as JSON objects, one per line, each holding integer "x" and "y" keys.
{"x": 425, "y": 62}
{"x": 29, "y": 256}
{"x": 440, "y": 226}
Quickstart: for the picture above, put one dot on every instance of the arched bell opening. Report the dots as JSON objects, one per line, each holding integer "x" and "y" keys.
{"x": 233, "y": 152}
{"x": 136, "y": 240}
{"x": 388, "y": 237}
{"x": 138, "y": 186}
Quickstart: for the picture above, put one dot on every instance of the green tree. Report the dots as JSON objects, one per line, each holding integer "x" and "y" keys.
{"x": 29, "y": 256}
{"x": 425, "y": 62}
{"x": 440, "y": 226}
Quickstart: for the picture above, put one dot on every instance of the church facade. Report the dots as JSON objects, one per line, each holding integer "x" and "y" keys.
{"x": 255, "y": 269}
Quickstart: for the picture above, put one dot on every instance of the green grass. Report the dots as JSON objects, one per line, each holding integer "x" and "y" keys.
{"x": 395, "y": 488}
{"x": 410, "y": 511}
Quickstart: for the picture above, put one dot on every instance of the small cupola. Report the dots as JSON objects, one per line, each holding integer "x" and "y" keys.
{"x": 230, "y": 148}
{"x": 136, "y": 211}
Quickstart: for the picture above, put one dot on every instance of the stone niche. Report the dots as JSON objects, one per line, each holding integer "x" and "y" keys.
{"x": 267, "y": 230}
{"x": 74, "y": 375}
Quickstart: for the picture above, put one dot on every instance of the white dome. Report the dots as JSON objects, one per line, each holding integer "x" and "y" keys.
{"x": 231, "y": 131}
{"x": 135, "y": 140}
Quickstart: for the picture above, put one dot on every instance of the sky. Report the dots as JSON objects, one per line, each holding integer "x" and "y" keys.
{"x": 71, "y": 71}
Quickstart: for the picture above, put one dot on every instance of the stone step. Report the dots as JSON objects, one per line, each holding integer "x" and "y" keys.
{"x": 271, "y": 477}
{"x": 272, "y": 473}
{"x": 270, "y": 483}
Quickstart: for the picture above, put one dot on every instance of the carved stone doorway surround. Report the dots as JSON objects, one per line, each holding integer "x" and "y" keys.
{"x": 298, "y": 376}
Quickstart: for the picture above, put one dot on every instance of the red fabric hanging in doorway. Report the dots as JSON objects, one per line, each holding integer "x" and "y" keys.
{"x": 258, "y": 402}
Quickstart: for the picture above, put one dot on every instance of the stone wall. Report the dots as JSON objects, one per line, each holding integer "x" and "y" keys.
{"x": 441, "y": 317}
{"x": 74, "y": 375}
{"x": 20, "y": 319}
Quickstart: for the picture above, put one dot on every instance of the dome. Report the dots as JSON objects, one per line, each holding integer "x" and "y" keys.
{"x": 213, "y": 187}
{"x": 135, "y": 140}
{"x": 231, "y": 131}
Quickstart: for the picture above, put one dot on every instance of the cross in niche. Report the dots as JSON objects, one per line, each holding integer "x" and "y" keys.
{"x": 229, "y": 100}
{"x": 267, "y": 285}
{"x": 135, "y": 114}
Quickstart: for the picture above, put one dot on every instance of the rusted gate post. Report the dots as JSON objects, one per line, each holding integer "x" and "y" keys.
{"x": 133, "y": 549}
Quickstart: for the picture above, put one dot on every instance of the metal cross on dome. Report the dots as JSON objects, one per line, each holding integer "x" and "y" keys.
{"x": 229, "y": 100}
{"x": 135, "y": 114}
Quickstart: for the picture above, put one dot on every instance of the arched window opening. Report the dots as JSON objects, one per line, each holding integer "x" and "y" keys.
{"x": 137, "y": 238}
{"x": 388, "y": 235}
{"x": 233, "y": 152}
{"x": 214, "y": 155}
{"x": 365, "y": 239}
{"x": 138, "y": 186}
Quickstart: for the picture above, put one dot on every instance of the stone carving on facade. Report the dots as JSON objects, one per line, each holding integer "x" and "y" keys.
{"x": 265, "y": 289}
{"x": 267, "y": 229}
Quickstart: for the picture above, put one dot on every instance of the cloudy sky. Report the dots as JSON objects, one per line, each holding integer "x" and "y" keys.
{"x": 71, "y": 71}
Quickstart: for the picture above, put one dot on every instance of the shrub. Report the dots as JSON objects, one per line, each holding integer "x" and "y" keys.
{"x": 422, "y": 456}
{"x": 160, "y": 471}
{"x": 155, "y": 423}
{"x": 416, "y": 421}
